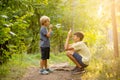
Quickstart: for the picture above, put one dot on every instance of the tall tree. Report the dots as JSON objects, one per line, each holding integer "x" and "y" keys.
{"x": 115, "y": 35}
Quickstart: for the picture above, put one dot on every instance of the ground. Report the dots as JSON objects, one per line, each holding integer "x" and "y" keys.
{"x": 61, "y": 72}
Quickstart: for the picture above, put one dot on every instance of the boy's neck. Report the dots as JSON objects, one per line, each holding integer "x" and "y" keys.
{"x": 44, "y": 26}
{"x": 77, "y": 41}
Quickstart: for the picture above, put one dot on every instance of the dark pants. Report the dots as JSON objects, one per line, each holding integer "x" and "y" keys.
{"x": 45, "y": 53}
{"x": 79, "y": 59}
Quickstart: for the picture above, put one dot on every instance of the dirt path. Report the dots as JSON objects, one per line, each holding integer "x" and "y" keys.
{"x": 61, "y": 72}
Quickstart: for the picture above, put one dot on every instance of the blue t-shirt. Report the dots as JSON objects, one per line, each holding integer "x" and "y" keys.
{"x": 44, "y": 40}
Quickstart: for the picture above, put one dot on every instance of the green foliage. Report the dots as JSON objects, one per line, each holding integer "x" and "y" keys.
{"x": 13, "y": 28}
{"x": 103, "y": 65}
{"x": 20, "y": 25}
{"x": 19, "y": 30}
{"x": 110, "y": 70}
{"x": 58, "y": 38}
{"x": 4, "y": 35}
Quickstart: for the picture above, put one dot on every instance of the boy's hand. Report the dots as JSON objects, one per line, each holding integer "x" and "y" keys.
{"x": 50, "y": 26}
{"x": 70, "y": 33}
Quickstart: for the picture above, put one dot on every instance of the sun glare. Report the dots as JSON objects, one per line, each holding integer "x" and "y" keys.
{"x": 100, "y": 11}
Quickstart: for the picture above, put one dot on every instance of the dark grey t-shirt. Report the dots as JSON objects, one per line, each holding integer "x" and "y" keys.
{"x": 44, "y": 40}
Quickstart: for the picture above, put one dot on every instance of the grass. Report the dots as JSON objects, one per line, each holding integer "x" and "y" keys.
{"x": 103, "y": 66}
{"x": 19, "y": 63}
{"x": 59, "y": 58}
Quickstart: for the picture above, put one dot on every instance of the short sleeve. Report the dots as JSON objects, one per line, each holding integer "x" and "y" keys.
{"x": 44, "y": 31}
{"x": 76, "y": 46}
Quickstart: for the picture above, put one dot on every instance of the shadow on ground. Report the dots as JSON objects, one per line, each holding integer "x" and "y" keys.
{"x": 61, "y": 72}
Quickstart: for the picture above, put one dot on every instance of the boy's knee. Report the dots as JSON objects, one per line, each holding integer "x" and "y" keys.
{"x": 68, "y": 53}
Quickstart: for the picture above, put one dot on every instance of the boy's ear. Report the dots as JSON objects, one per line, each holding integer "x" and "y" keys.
{"x": 79, "y": 38}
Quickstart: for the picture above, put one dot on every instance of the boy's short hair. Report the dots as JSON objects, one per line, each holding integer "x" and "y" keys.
{"x": 43, "y": 19}
{"x": 80, "y": 35}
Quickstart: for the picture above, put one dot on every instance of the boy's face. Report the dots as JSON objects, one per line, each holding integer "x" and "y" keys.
{"x": 75, "y": 38}
{"x": 47, "y": 23}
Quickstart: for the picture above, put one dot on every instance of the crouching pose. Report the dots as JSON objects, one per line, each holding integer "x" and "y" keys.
{"x": 78, "y": 52}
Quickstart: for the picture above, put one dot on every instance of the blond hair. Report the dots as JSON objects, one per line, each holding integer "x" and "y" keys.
{"x": 43, "y": 19}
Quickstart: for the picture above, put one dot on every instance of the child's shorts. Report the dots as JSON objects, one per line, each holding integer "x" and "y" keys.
{"x": 79, "y": 59}
{"x": 45, "y": 53}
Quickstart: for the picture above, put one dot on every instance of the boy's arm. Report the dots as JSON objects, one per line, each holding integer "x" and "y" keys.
{"x": 50, "y": 31}
{"x": 67, "y": 46}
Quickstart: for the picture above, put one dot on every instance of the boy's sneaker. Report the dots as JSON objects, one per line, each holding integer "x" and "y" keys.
{"x": 74, "y": 68}
{"x": 49, "y": 70}
{"x": 43, "y": 72}
{"x": 78, "y": 71}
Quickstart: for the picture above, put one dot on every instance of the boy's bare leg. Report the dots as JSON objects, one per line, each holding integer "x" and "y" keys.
{"x": 42, "y": 64}
{"x": 46, "y": 64}
{"x": 69, "y": 54}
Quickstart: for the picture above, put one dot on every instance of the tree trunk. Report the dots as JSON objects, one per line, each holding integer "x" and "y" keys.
{"x": 115, "y": 34}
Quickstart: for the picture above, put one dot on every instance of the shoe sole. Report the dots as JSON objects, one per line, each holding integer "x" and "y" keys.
{"x": 78, "y": 72}
{"x": 50, "y": 71}
{"x": 43, "y": 74}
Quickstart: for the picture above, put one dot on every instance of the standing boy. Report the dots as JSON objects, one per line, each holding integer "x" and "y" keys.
{"x": 45, "y": 43}
{"x": 78, "y": 52}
